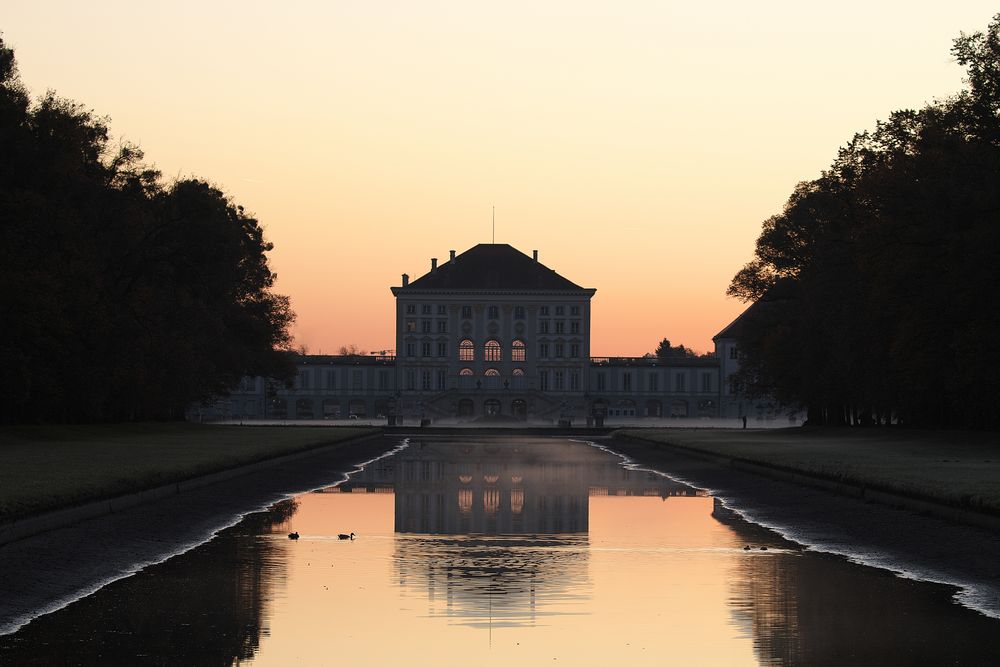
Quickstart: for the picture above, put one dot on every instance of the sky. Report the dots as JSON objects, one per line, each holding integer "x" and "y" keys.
{"x": 638, "y": 146}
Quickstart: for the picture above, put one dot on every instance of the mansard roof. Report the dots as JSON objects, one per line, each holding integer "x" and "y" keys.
{"x": 492, "y": 266}
{"x": 781, "y": 292}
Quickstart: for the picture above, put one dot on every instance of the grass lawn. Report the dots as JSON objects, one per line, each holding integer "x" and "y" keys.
{"x": 956, "y": 468}
{"x": 48, "y": 467}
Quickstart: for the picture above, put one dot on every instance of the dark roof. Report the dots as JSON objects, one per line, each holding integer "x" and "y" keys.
{"x": 493, "y": 266}
{"x": 784, "y": 290}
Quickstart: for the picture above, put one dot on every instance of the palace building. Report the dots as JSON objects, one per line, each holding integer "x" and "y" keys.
{"x": 494, "y": 334}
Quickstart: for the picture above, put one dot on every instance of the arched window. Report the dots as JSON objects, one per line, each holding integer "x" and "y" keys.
{"x": 518, "y": 372}
{"x": 517, "y": 351}
{"x": 465, "y": 371}
{"x": 466, "y": 351}
{"x": 492, "y": 373}
{"x": 491, "y": 351}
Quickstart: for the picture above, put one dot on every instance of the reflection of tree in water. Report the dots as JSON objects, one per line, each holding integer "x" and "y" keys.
{"x": 817, "y": 609}
{"x": 493, "y": 580}
{"x": 204, "y": 607}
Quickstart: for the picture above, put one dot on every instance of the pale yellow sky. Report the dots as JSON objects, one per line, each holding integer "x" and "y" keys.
{"x": 638, "y": 146}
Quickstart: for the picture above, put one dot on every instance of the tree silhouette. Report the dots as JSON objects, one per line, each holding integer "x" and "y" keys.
{"x": 876, "y": 280}
{"x": 124, "y": 298}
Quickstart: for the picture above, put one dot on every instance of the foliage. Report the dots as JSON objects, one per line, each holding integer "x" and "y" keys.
{"x": 875, "y": 286}
{"x": 123, "y": 298}
{"x": 664, "y": 351}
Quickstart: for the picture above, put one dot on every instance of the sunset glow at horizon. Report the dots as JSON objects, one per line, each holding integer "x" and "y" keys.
{"x": 638, "y": 148}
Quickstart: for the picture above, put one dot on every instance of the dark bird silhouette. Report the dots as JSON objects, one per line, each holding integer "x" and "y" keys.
{"x": 293, "y": 536}
{"x": 746, "y": 548}
{"x": 763, "y": 548}
{"x": 342, "y": 536}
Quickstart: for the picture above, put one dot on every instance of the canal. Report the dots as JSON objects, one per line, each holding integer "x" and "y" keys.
{"x": 506, "y": 551}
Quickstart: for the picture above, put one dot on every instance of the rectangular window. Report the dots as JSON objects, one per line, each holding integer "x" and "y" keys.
{"x": 425, "y": 380}
{"x": 411, "y": 326}
{"x": 560, "y": 310}
{"x": 411, "y": 349}
{"x": 383, "y": 380}
{"x": 732, "y": 352}
{"x": 543, "y": 380}
{"x": 442, "y": 326}
{"x": 559, "y": 380}
{"x": 425, "y": 309}
{"x": 355, "y": 379}
{"x": 574, "y": 326}
{"x": 543, "y": 327}
{"x": 442, "y": 310}
{"x": 467, "y": 312}
{"x": 574, "y": 381}
{"x": 331, "y": 379}
{"x": 627, "y": 381}
{"x": 706, "y": 382}
{"x": 559, "y": 349}
{"x": 560, "y": 327}
{"x": 425, "y": 349}
{"x": 411, "y": 309}
{"x": 543, "y": 350}
{"x": 518, "y": 312}
{"x": 494, "y": 312}
{"x": 574, "y": 350}
{"x": 442, "y": 349}
{"x": 679, "y": 381}
{"x": 425, "y": 326}
{"x": 654, "y": 382}
{"x": 544, "y": 311}
{"x": 411, "y": 379}
{"x": 440, "y": 380}
{"x": 304, "y": 379}
{"x": 601, "y": 382}
{"x": 574, "y": 310}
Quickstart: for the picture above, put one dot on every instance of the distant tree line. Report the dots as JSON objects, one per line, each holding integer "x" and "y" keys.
{"x": 666, "y": 351}
{"x": 121, "y": 297}
{"x": 876, "y": 288}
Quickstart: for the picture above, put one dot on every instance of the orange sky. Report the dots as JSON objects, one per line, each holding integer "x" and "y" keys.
{"x": 638, "y": 146}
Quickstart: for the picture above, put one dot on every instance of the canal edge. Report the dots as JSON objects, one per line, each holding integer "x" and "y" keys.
{"x": 838, "y": 487}
{"x": 20, "y": 529}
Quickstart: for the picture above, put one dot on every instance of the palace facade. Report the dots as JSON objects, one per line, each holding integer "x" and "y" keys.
{"x": 494, "y": 334}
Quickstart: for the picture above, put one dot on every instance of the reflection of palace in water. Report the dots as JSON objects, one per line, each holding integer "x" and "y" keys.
{"x": 491, "y": 488}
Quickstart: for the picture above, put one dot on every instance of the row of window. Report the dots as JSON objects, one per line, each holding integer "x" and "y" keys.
{"x": 544, "y": 326}
{"x": 492, "y": 312}
{"x": 317, "y": 378}
{"x": 653, "y": 382}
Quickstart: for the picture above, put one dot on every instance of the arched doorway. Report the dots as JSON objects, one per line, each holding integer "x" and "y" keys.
{"x": 678, "y": 409}
{"x": 279, "y": 408}
{"x": 357, "y": 408}
{"x": 654, "y": 408}
{"x": 491, "y": 408}
{"x": 466, "y": 408}
{"x": 519, "y": 409}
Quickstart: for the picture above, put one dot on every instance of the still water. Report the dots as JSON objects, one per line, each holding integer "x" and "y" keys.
{"x": 506, "y": 551}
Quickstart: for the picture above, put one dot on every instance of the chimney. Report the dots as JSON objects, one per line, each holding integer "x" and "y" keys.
{"x": 534, "y": 253}
{"x": 451, "y": 255}
{"x": 434, "y": 264}
{"x": 406, "y": 280}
